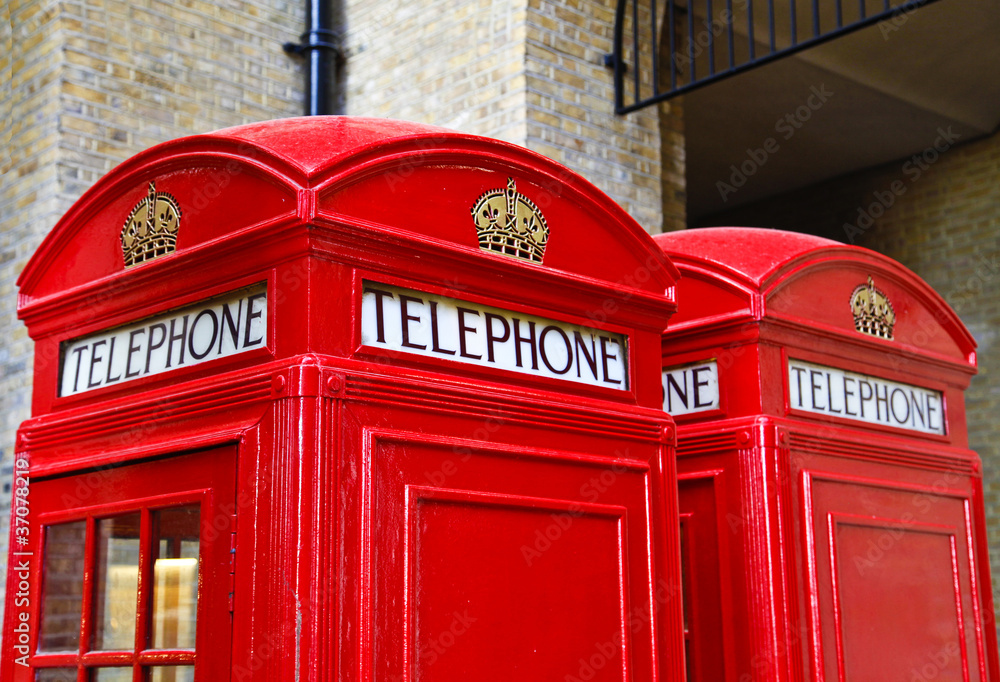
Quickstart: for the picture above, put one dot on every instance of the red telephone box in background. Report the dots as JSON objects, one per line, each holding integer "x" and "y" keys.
{"x": 346, "y": 399}
{"x": 832, "y": 521}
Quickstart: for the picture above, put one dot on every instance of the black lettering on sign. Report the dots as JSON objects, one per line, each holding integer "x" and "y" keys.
{"x": 78, "y": 352}
{"x": 436, "y": 332}
{"x": 698, "y": 381}
{"x": 405, "y": 318}
{"x": 881, "y": 401}
{"x": 173, "y": 336}
{"x": 677, "y": 389}
{"x": 424, "y": 324}
{"x": 607, "y": 355}
{"x": 862, "y": 385}
{"x": 545, "y": 353}
{"x": 799, "y": 371}
{"x": 133, "y": 348}
{"x": 463, "y": 329}
{"x": 194, "y": 333}
{"x": 108, "y": 379}
{"x": 256, "y": 306}
{"x": 849, "y": 395}
{"x": 379, "y": 310}
{"x": 529, "y": 339}
{"x": 579, "y": 345}
{"x": 219, "y": 327}
{"x": 816, "y": 384}
{"x": 491, "y": 337}
{"x": 231, "y": 325}
{"x": 96, "y": 356}
{"x": 690, "y": 389}
{"x": 152, "y": 345}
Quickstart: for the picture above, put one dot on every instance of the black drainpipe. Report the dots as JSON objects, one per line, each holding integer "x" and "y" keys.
{"x": 321, "y": 47}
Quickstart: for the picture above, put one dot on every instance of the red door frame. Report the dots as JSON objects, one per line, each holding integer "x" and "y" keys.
{"x": 206, "y": 478}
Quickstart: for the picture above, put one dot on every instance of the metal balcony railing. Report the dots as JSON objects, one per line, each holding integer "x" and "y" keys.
{"x": 664, "y": 48}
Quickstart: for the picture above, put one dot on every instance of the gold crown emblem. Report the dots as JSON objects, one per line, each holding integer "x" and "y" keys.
{"x": 510, "y": 223}
{"x": 873, "y": 313}
{"x": 151, "y": 228}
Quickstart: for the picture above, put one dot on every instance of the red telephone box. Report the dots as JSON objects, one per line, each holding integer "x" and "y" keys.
{"x": 832, "y": 517}
{"x": 346, "y": 399}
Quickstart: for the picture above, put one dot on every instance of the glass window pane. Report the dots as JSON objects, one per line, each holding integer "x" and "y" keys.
{"x": 55, "y": 675}
{"x": 175, "y": 673}
{"x": 111, "y": 675}
{"x": 116, "y": 582}
{"x": 175, "y": 578}
{"x": 63, "y": 587}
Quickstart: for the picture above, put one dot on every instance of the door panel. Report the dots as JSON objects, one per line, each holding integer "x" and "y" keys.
{"x": 896, "y": 590}
{"x": 703, "y": 549}
{"x": 136, "y": 571}
{"x": 500, "y": 562}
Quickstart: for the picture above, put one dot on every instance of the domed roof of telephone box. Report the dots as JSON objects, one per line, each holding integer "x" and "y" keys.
{"x": 753, "y": 252}
{"x": 812, "y": 283}
{"x": 412, "y": 182}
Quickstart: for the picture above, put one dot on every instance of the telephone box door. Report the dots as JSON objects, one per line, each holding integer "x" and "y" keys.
{"x": 137, "y": 572}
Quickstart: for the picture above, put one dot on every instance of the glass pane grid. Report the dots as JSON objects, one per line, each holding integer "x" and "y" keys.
{"x": 142, "y": 592}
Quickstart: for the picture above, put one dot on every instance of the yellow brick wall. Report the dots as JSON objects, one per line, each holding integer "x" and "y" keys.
{"x": 527, "y": 71}
{"x": 570, "y": 107}
{"x": 458, "y": 64}
{"x": 942, "y": 220}
{"x": 89, "y": 83}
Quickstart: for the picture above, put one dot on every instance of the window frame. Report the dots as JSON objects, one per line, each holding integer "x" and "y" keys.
{"x": 210, "y": 484}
